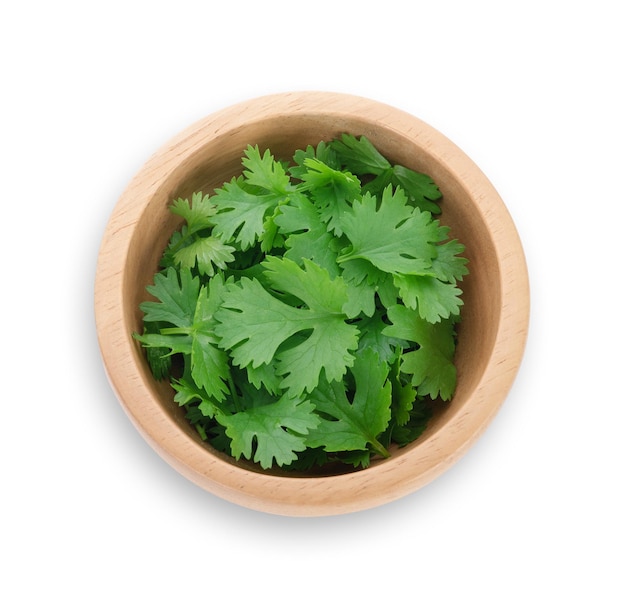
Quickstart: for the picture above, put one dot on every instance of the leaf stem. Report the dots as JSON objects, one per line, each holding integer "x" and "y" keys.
{"x": 177, "y": 331}
{"x": 347, "y": 257}
{"x": 233, "y": 392}
{"x": 379, "y": 448}
{"x": 184, "y": 238}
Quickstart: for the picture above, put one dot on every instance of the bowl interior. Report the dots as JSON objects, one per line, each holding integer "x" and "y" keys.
{"x": 212, "y": 163}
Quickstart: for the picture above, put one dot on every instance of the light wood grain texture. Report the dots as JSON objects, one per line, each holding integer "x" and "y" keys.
{"x": 491, "y": 338}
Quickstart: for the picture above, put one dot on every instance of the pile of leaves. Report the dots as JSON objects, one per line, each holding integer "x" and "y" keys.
{"x": 305, "y": 312}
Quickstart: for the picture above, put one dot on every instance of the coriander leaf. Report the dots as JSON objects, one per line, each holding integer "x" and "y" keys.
{"x": 187, "y": 392}
{"x": 359, "y": 271}
{"x": 433, "y": 298}
{"x": 170, "y": 344}
{"x": 433, "y": 374}
{"x": 206, "y": 253}
{"x": 254, "y": 324}
{"x": 377, "y": 184}
{"x": 241, "y": 214}
{"x": 373, "y": 338}
{"x": 209, "y": 364}
{"x": 448, "y": 265}
{"x": 393, "y": 237}
{"x": 359, "y": 156}
{"x": 309, "y": 458}
{"x": 420, "y": 187}
{"x": 243, "y": 203}
{"x": 310, "y": 283}
{"x": 264, "y": 376}
{"x": 418, "y": 421}
{"x": 275, "y": 431}
{"x": 365, "y": 282}
{"x": 354, "y": 425}
{"x": 357, "y": 459}
{"x": 431, "y": 365}
{"x": 306, "y": 235}
{"x": 329, "y": 348}
{"x": 403, "y": 399}
{"x": 265, "y": 172}
{"x": 159, "y": 357}
{"x": 323, "y": 152}
{"x": 177, "y": 298}
{"x": 332, "y": 341}
{"x": 402, "y": 395}
{"x": 198, "y": 214}
{"x": 271, "y": 238}
{"x": 361, "y": 299}
{"x": 332, "y": 190}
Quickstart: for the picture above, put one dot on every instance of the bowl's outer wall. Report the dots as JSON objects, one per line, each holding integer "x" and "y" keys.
{"x": 491, "y": 337}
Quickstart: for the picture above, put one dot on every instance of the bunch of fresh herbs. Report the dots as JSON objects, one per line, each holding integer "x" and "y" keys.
{"x": 305, "y": 312}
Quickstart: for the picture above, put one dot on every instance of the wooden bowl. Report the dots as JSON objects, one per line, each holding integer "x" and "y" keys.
{"x": 491, "y": 337}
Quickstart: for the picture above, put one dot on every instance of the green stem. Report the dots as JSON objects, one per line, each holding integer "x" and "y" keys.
{"x": 233, "y": 392}
{"x": 348, "y": 257}
{"x": 177, "y": 331}
{"x": 183, "y": 239}
{"x": 379, "y": 448}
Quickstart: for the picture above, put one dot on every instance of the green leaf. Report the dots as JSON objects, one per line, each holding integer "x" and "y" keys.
{"x": 209, "y": 364}
{"x": 177, "y": 298}
{"x": 329, "y": 348}
{"x": 207, "y": 253}
{"x": 361, "y": 300}
{"x": 264, "y": 172}
{"x": 434, "y": 299}
{"x": 254, "y": 324}
{"x": 448, "y": 265}
{"x": 359, "y": 271}
{"x": 349, "y": 425}
{"x": 365, "y": 282}
{"x": 271, "y": 238}
{"x": 421, "y": 188}
{"x": 197, "y": 214}
{"x": 187, "y": 393}
{"x": 159, "y": 357}
{"x": 332, "y": 190}
{"x": 170, "y": 344}
{"x": 378, "y": 183}
{"x": 241, "y": 214}
{"x": 309, "y": 458}
{"x": 431, "y": 365}
{"x": 357, "y": 459}
{"x": 419, "y": 417}
{"x": 196, "y": 337}
{"x": 243, "y": 203}
{"x": 275, "y": 431}
{"x": 322, "y": 152}
{"x": 331, "y": 344}
{"x": 373, "y": 338}
{"x": 307, "y": 237}
{"x": 402, "y": 395}
{"x": 359, "y": 156}
{"x": 310, "y": 283}
{"x": 264, "y": 376}
{"x": 393, "y": 237}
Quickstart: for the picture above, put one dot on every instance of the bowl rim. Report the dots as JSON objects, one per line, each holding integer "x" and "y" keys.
{"x": 326, "y": 495}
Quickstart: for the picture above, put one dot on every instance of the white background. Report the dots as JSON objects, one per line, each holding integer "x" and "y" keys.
{"x": 535, "y": 94}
